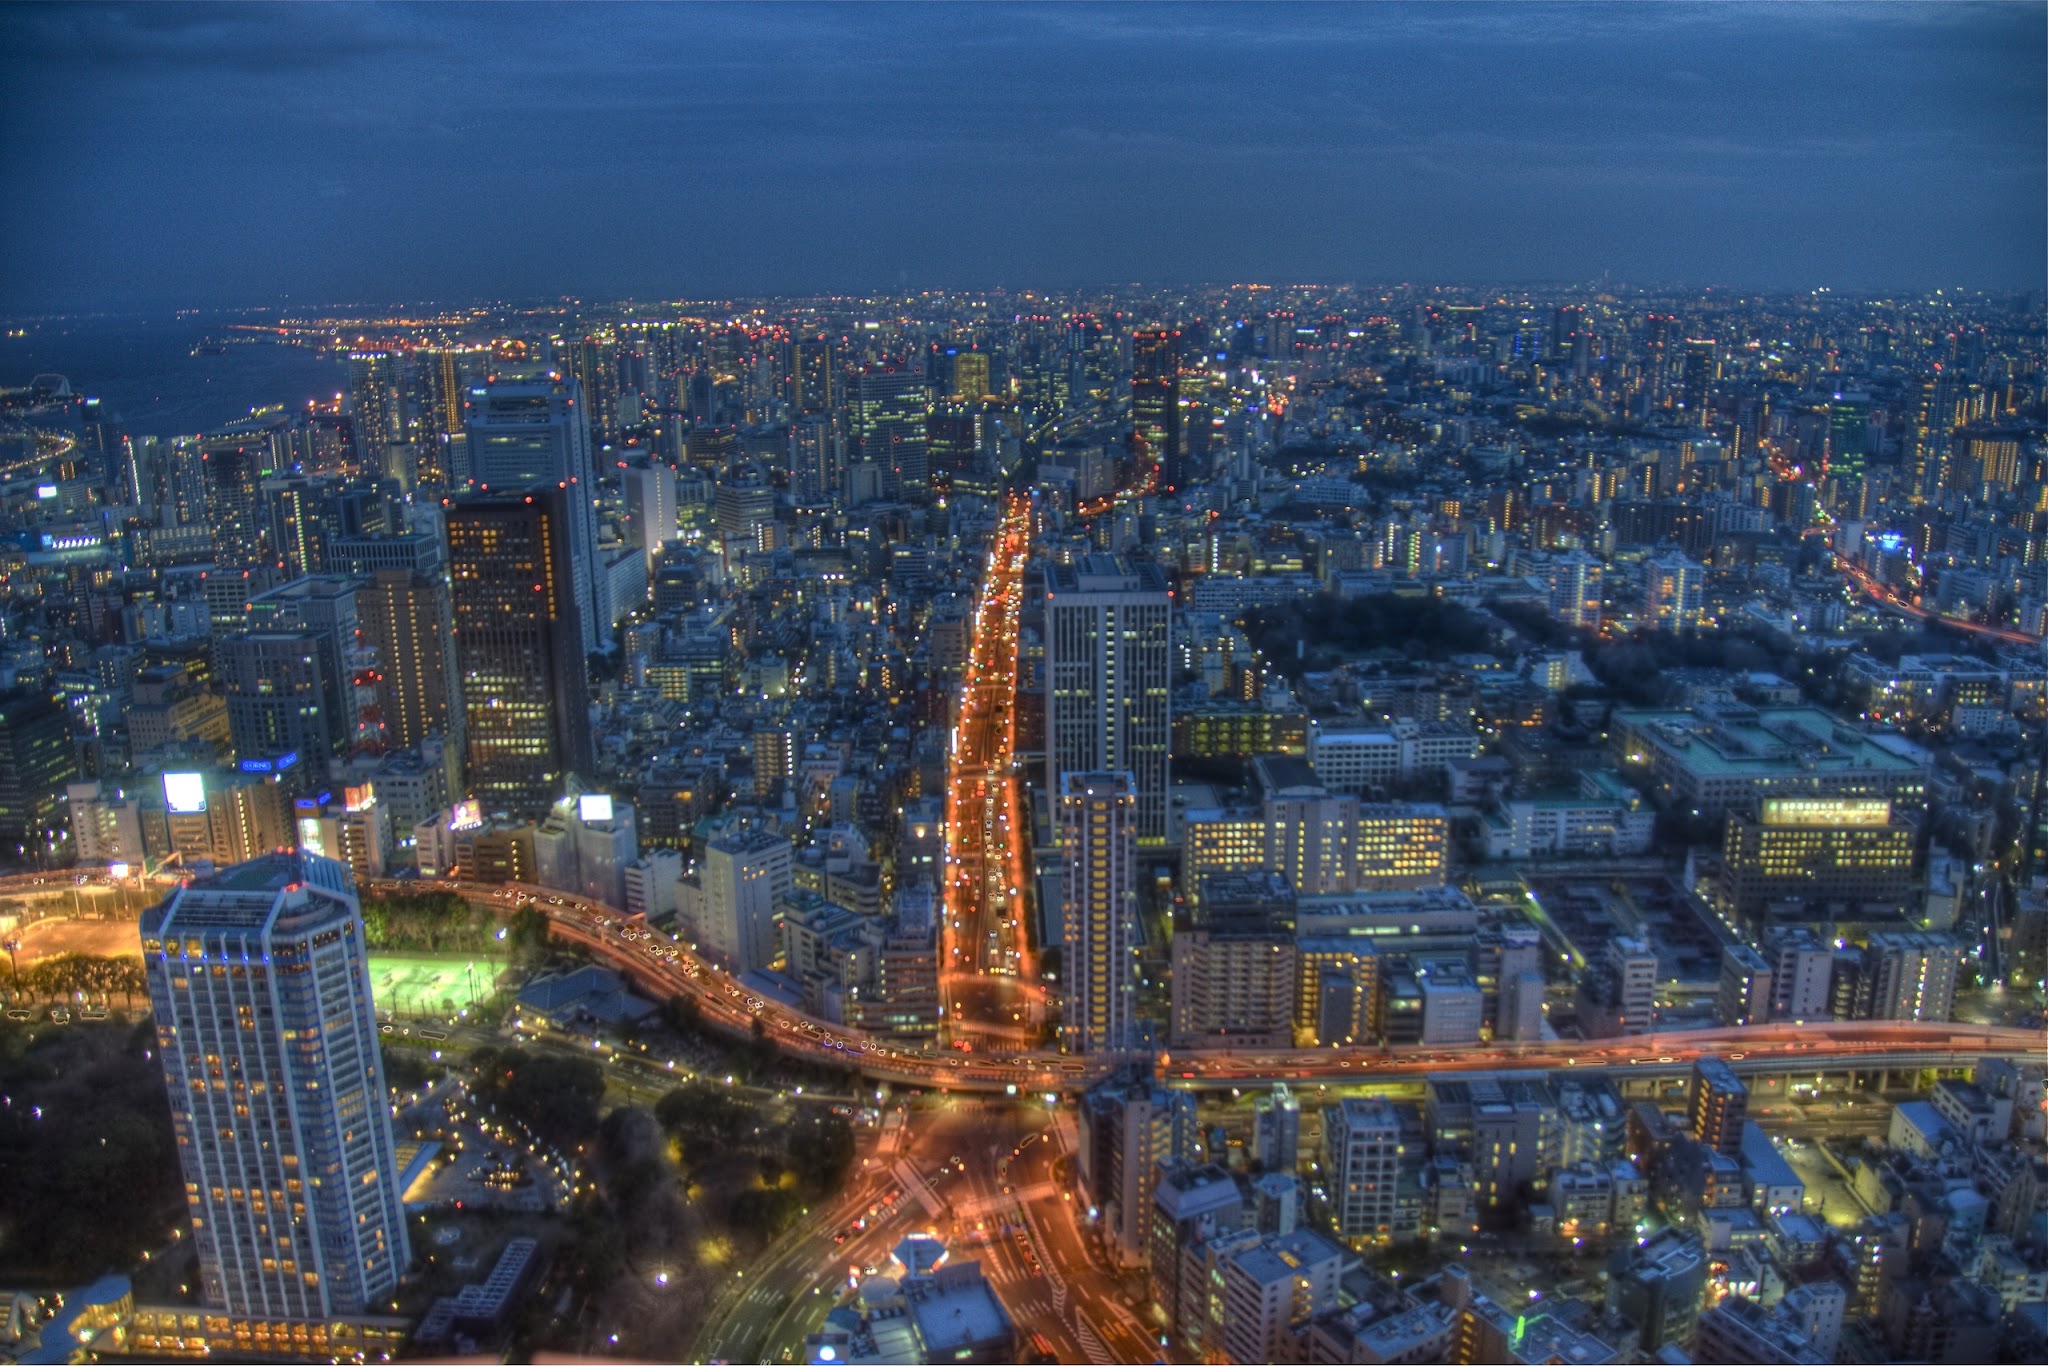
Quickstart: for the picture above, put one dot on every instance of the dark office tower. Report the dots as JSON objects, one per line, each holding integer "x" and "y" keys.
{"x": 1155, "y": 404}
{"x": 36, "y": 761}
{"x": 1720, "y": 1105}
{"x": 280, "y": 694}
{"x": 531, "y": 426}
{"x": 815, "y": 460}
{"x": 595, "y": 361}
{"x": 813, "y": 382}
{"x": 1565, "y": 326}
{"x": 300, "y": 520}
{"x": 1280, "y": 334}
{"x": 887, "y": 428}
{"x": 1848, "y": 436}
{"x": 1696, "y": 385}
{"x": 235, "y": 468}
{"x": 405, "y": 623}
{"x": 518, "y": 647}
{"x": 376, "y": 408}
{"x": 440, "y": 417}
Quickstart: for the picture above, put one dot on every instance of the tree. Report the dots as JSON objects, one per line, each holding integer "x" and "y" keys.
{"x": 553, "y": 1095}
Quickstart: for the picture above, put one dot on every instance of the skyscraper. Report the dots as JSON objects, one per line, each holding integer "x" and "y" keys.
{"x": 530, "y": 426}
{"x": 406, "y": 623}
{"x": 269, "y": 1044}
{"x": 1155, "y": 403}
{"x": 518, "y": 647}
{"x": 1099, "y": 911}
{"x": 887, "y": 427}
{"x": 376, "y": 407}
{"x": 1108, "y": 679}
{"x": 279, "y": 693}
{"x": 813, "y": 379}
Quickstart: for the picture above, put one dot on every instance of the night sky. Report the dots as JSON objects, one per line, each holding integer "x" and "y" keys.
{"x": 194, "y": 155}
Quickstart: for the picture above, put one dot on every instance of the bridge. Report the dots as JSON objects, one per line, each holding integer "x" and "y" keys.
{"x": 664, "y": 968}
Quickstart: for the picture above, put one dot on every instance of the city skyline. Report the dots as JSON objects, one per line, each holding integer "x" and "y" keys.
{"x": 380, "y": 153}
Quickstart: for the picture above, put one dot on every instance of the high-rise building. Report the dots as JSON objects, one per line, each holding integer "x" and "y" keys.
{"x": 813, "y": 377}
{"x": 1802, "y": 966}
{"x": 971, "y": 375}
{"x": 1363, "y": 1153}
{"x": 268, "y": 1040}
{"x": 1108, "y": 678}
{"x": 280, "y": 693}
{"x": 376, "y": 407}
{"x": 1718, "y": 1106}
{"x": 518, "y": 648}
{"x": 744, "y": 880}
{"x": 529, "y": 427}
{"x": 651, "y": 508}
{"x": 406, "y": 623}
{"x": 1910, "y": 975}
{"x": 1099, "y": 910}
{"x": 1129, "y": 1125}
{"x": 887, "y": 429}
{"x": 1155, "y": 404}
{"x": 36, "y": 761}
{"x": 816, "y": 460}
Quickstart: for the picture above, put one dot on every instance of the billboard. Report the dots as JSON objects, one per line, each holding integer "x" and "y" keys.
{"x": 310, "y": 838}
{"x": 184, "y": 793}
{"x": 465, "y": 816}
{"x": 594, "y": 806}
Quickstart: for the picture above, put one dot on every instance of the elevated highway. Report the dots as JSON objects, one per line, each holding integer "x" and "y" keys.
{"x": 664, "y": 968}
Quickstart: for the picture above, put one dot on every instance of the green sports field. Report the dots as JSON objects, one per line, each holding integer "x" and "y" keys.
{"x": 419, "y": 984}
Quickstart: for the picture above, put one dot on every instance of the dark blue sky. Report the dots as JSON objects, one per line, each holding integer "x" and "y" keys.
{"x": 169, "y": 154}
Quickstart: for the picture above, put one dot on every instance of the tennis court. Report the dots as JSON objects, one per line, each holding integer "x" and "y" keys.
{"x": 408, "y": 984}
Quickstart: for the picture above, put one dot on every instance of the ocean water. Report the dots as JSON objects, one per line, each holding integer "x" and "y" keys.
{"x": 142, "y": 370}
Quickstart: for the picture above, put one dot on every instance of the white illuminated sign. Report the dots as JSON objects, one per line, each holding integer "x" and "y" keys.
{"x": 594, "y": 806}
{"x": 185, "y": 793}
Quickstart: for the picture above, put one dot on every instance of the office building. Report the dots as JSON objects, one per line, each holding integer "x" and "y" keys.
{"x": 519, "y": 651}
{"x": 1155, "y": 404}
{"x": 376, "y": 409}
{"x": 269, "y": 1045}
{"x": 529, "y": 427}
{"x": 280, "y": 696}
{"x": 1718, "y": 1106}
{"x": 1364, "y": 1151}
{"x": 407, "y": 625}
{"x": 651, "y": 508}
{"x": 886, "y": 415}
{"x": 1099, "y": 911}
{"x": 36, "y": 761}
{"x": 1802, "y": 967}
{"x": 1850, "y": 850}
{"x": 744, "y": 879}
{"x": 813, "y": 377}
{"x": 1128, "y": 1126}
{"x": 1717, "y": 758}
{"x": 1108, "y": 679}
